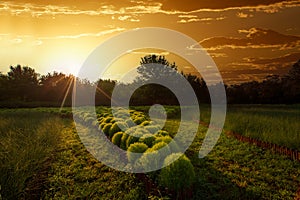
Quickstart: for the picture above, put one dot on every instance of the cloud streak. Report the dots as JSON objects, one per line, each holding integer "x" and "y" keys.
{"x": 99, "y": 34}
{"x": 140, "y": 8}
{"x": 207, "y": 20}
{"x": 255, "y": 38}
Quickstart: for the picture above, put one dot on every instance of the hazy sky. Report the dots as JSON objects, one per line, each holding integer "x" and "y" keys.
{"x": 247, "y": 39}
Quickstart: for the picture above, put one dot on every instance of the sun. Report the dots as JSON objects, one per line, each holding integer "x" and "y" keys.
{"x": 69, "y": 65}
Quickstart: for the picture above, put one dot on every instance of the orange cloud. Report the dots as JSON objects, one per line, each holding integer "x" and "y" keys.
{"x": 255, "y": 38}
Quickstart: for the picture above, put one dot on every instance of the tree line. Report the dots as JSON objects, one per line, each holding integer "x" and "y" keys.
{"x": 23, "y": 87}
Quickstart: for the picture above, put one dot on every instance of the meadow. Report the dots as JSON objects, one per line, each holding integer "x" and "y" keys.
{"x": 42, "y": 156}
{"x": 277, "y": 124}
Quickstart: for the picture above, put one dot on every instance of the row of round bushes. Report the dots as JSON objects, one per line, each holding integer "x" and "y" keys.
{"x": 138, "y": 135}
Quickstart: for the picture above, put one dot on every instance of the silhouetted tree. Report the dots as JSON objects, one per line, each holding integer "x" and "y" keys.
{"x": 22, "y": 83}
{"x": 291, "y": 84}
{"x": 154, "y": 69}
{"x": 104, "y": 91}
{"x": 3, "y": 87}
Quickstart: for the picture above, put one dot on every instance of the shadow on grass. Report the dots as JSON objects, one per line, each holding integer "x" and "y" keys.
{"x": 212, "y": 184}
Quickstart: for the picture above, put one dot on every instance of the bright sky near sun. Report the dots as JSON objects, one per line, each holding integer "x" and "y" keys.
{"x": 247, "y": 39}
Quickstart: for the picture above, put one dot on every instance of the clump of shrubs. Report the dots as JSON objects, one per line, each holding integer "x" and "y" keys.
{"x": 179, "y": 175}
{"x": 116, "y": 139}
{"x": 149, "y": 148}
{"x": 106, "y": 128}
{"x": 152, "y": 128}
{"x": 123, "y": 141}
{"x": 139, "y": 120}
{"x": 116, "y": 127}
{"x": 148, "y": 139}
{"x": 134, "y": 148}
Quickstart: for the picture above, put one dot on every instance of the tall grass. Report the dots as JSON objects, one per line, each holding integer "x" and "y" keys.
{"x": 27, "y": 139}
{"x": 275, "y": 124}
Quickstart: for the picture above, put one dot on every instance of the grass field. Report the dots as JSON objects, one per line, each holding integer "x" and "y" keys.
{"x": 41, "y": 156}
{"x": 28, "y": 139}
{"x": 275, "y": 124}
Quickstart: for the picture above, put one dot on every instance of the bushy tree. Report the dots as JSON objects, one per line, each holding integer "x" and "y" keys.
{"x": 178, "y": 175}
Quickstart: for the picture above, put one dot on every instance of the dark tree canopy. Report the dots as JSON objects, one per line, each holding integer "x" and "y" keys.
{"x": 23, "y": 85}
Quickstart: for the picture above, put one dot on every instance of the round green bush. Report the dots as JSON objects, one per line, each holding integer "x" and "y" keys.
{"x": 100, "y": 118}
{"x": 106, "y": 128}
{"x": 135, "y": 134}
{"x": 152, "y": 129}
{"x": 147, "y": 139}
{"x": 106, "y": 115}
{"x": 148, "y": 160}
{"x": 178, "y": 175}
{"x": 121, "y": 113}
{"x": 163, "y": 133}
{"x": 107, "y": 120}
{"x": 130, "y": 123}
{"x": 162, "y": 152}
{"x": 166, "y": 139}
{"x": 159, "y": 145}
{"x": 86, "y": 115}
{"x": 116, "y": 127}
{"x": 135, "y": 148}
{"x": 95, "y": 123}
{"x": 123, "y": 141}
{"x": 89, "y": 120}
{"x": 145, "y": 123}
{"x": 102, "y": 125}
{"x": 116, "y": 139}
{"x": 131, "y": 139}
{"x": 139, "y": 120}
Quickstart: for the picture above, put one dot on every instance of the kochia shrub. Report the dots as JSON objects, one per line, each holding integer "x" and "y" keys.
{"x": 159, "y": 146}
{"x": 131, "y": 139}
{"x": 116, "y": 139}
{"x": 89, "y": 120}
{"x": 95, "y": 123}
{"x": 147, "y": 139}
{"x": 116, "y": 127}
{"x": 135, "y": 134}
{"x": 163, "y": 151}
{"x": 145, "y": 123}
{"x": 106, "y": 115}
{"x": 167, "y": 139}
{"x": 130, "y": 123}
{"x": 123, "y": 141}
{"x": 137, "y": 147}
{"x": 163, "y": 133}
{"x": 102, "y": 125}
{"x": 106, "y": 128}
{"x": 148, "y": 160}
{"x": 152, "y": 128}
{"x": 179, "y": 175}
{"x": 121, "y": 113}
{"x": 139, "y": 120}
{"x": 107, "y": 120}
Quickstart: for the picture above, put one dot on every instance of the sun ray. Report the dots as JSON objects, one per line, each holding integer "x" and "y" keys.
{"x": 69, "y": 84}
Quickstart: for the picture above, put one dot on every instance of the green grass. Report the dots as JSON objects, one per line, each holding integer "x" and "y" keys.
{"x": 277, "y": 124}
{"x": 76, "y": 174}
{"x": 27, "y": 140}
{"x": 41, "y": 156}
{"x": 236, "y": 170}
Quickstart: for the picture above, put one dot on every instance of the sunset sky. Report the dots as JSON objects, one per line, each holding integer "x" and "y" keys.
{"x": 247, "y": 39}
